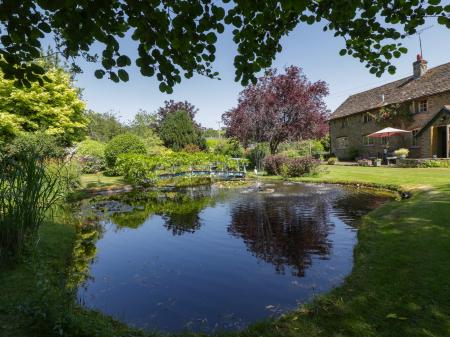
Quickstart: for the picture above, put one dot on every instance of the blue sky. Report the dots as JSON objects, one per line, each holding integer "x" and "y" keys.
{"x": 308, "y": 47}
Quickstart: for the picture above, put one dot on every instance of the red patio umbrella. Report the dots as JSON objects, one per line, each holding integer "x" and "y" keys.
{"x": 387, "y": 132}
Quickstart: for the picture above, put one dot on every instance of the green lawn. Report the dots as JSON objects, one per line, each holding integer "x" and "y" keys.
{"x": 399, "y": 286}
{"x": 97, "y": 181}
{"x": 406, "y": 178}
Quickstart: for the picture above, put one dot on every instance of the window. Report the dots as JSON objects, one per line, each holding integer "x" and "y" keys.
{"x": 368, "y": 141}
{"x": 415, "y": 140}
{"x": 367, "y": 117}
{"x": 423, "y": 106}
{"x": 384, "y": 140}
{"x": 344, "y": 122}
{"x": 342, "y": 142}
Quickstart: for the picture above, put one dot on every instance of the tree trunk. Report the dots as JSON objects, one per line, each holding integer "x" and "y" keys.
{"x": 273, "y": 147}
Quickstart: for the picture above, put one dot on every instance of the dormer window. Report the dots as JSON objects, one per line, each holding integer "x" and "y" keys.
{"x": 423, "y": 106}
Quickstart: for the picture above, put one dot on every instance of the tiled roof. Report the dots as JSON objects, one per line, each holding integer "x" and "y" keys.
{"x": 434, "y": 81}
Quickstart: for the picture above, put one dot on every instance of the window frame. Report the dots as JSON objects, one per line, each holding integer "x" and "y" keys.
{"x": 367, "y": 118}
{"x": 422, "y": 106}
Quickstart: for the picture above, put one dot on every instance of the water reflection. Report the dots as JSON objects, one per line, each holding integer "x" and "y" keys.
{"x": 207, "y": 260}
{"x": 89, "y": 231}
{"x": 180, "y": 210}
{"x": 284, "y": 230}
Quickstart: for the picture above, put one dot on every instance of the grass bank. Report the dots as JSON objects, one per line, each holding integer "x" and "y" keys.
{"x": 399, "y": 285}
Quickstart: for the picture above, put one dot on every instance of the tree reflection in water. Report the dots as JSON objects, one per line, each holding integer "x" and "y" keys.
{"x": 89, "y": 231}
{"x": 285, "y": 231}
{"x": 180, "y": 210}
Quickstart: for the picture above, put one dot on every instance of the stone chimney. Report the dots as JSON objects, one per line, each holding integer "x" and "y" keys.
{"x": 420, "y": 66}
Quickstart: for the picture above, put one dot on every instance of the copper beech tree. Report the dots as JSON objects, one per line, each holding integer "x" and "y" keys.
{"x": 279, "y": 107}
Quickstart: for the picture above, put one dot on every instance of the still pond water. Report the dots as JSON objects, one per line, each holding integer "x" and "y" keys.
{"x": 207, "y": 259}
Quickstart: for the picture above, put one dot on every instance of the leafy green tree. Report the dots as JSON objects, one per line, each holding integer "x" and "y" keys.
{"x": 55, "y": 107}
{"x": 230, "y": 147}
{"x": 257, "y": 154}
{"x": 103, "y": 126}
{"x": 124, "y": 143}
{"x": 211, "y": 133}
{"x": 174, "y": 106}
{"x": 143, "y": 125}
{"x": 178, "y": 38}
{"x": 178, "y": 130}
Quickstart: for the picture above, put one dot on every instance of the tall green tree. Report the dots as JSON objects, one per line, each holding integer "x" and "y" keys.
{"x": 143, "y": 125}
{"x": 174, "y": 106}
{"x": 103, "y": 126}
{"x": 178, "y": 130}
{"x": 55, "y": 107}
{"x": 178, "y": 38}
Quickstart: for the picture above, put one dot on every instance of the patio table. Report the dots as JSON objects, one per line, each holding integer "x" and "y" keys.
{"x": 388, "y": 159}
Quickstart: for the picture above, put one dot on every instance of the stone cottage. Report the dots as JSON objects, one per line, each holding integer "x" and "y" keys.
{"x": 419, "y": 103}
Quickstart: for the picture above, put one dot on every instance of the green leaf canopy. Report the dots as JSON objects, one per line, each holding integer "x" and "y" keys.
{"x": 55, "y": 107}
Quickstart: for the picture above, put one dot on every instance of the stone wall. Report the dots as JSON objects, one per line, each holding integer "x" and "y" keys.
{"x": 355, "y": 131}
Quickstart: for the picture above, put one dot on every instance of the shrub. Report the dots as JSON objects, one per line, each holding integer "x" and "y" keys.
{"x": 423, "y": 163}
{"x": 91, "y": 155}
{"x": 303, "y": 148}
{"x": 121, "y": 144}
{"x": 144, "y": 170}
{"x": 41, "y": 144}
{"x": 401, "y": 152}
{"x": 90, "y": 147}
{"x": 291, "y": 153}
{"x": 353, "y": 153}
{"x": 231, "y": 147}
{"x": 435, "y": 163}
{"x": 290, "y": 167}
{"x": 257, "y": 154}
{"x": 191, "y": 148}
{"x": 138, "y": 169}
{"x": 91, "y": 164}
{"x": 331, "y": 160}
{"x": 211, "y": 143}
{"x": 297, "y": 167}
{"x": 273, "y": 163}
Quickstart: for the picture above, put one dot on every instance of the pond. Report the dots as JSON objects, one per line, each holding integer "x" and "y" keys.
{"x": 207, "y": 259}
